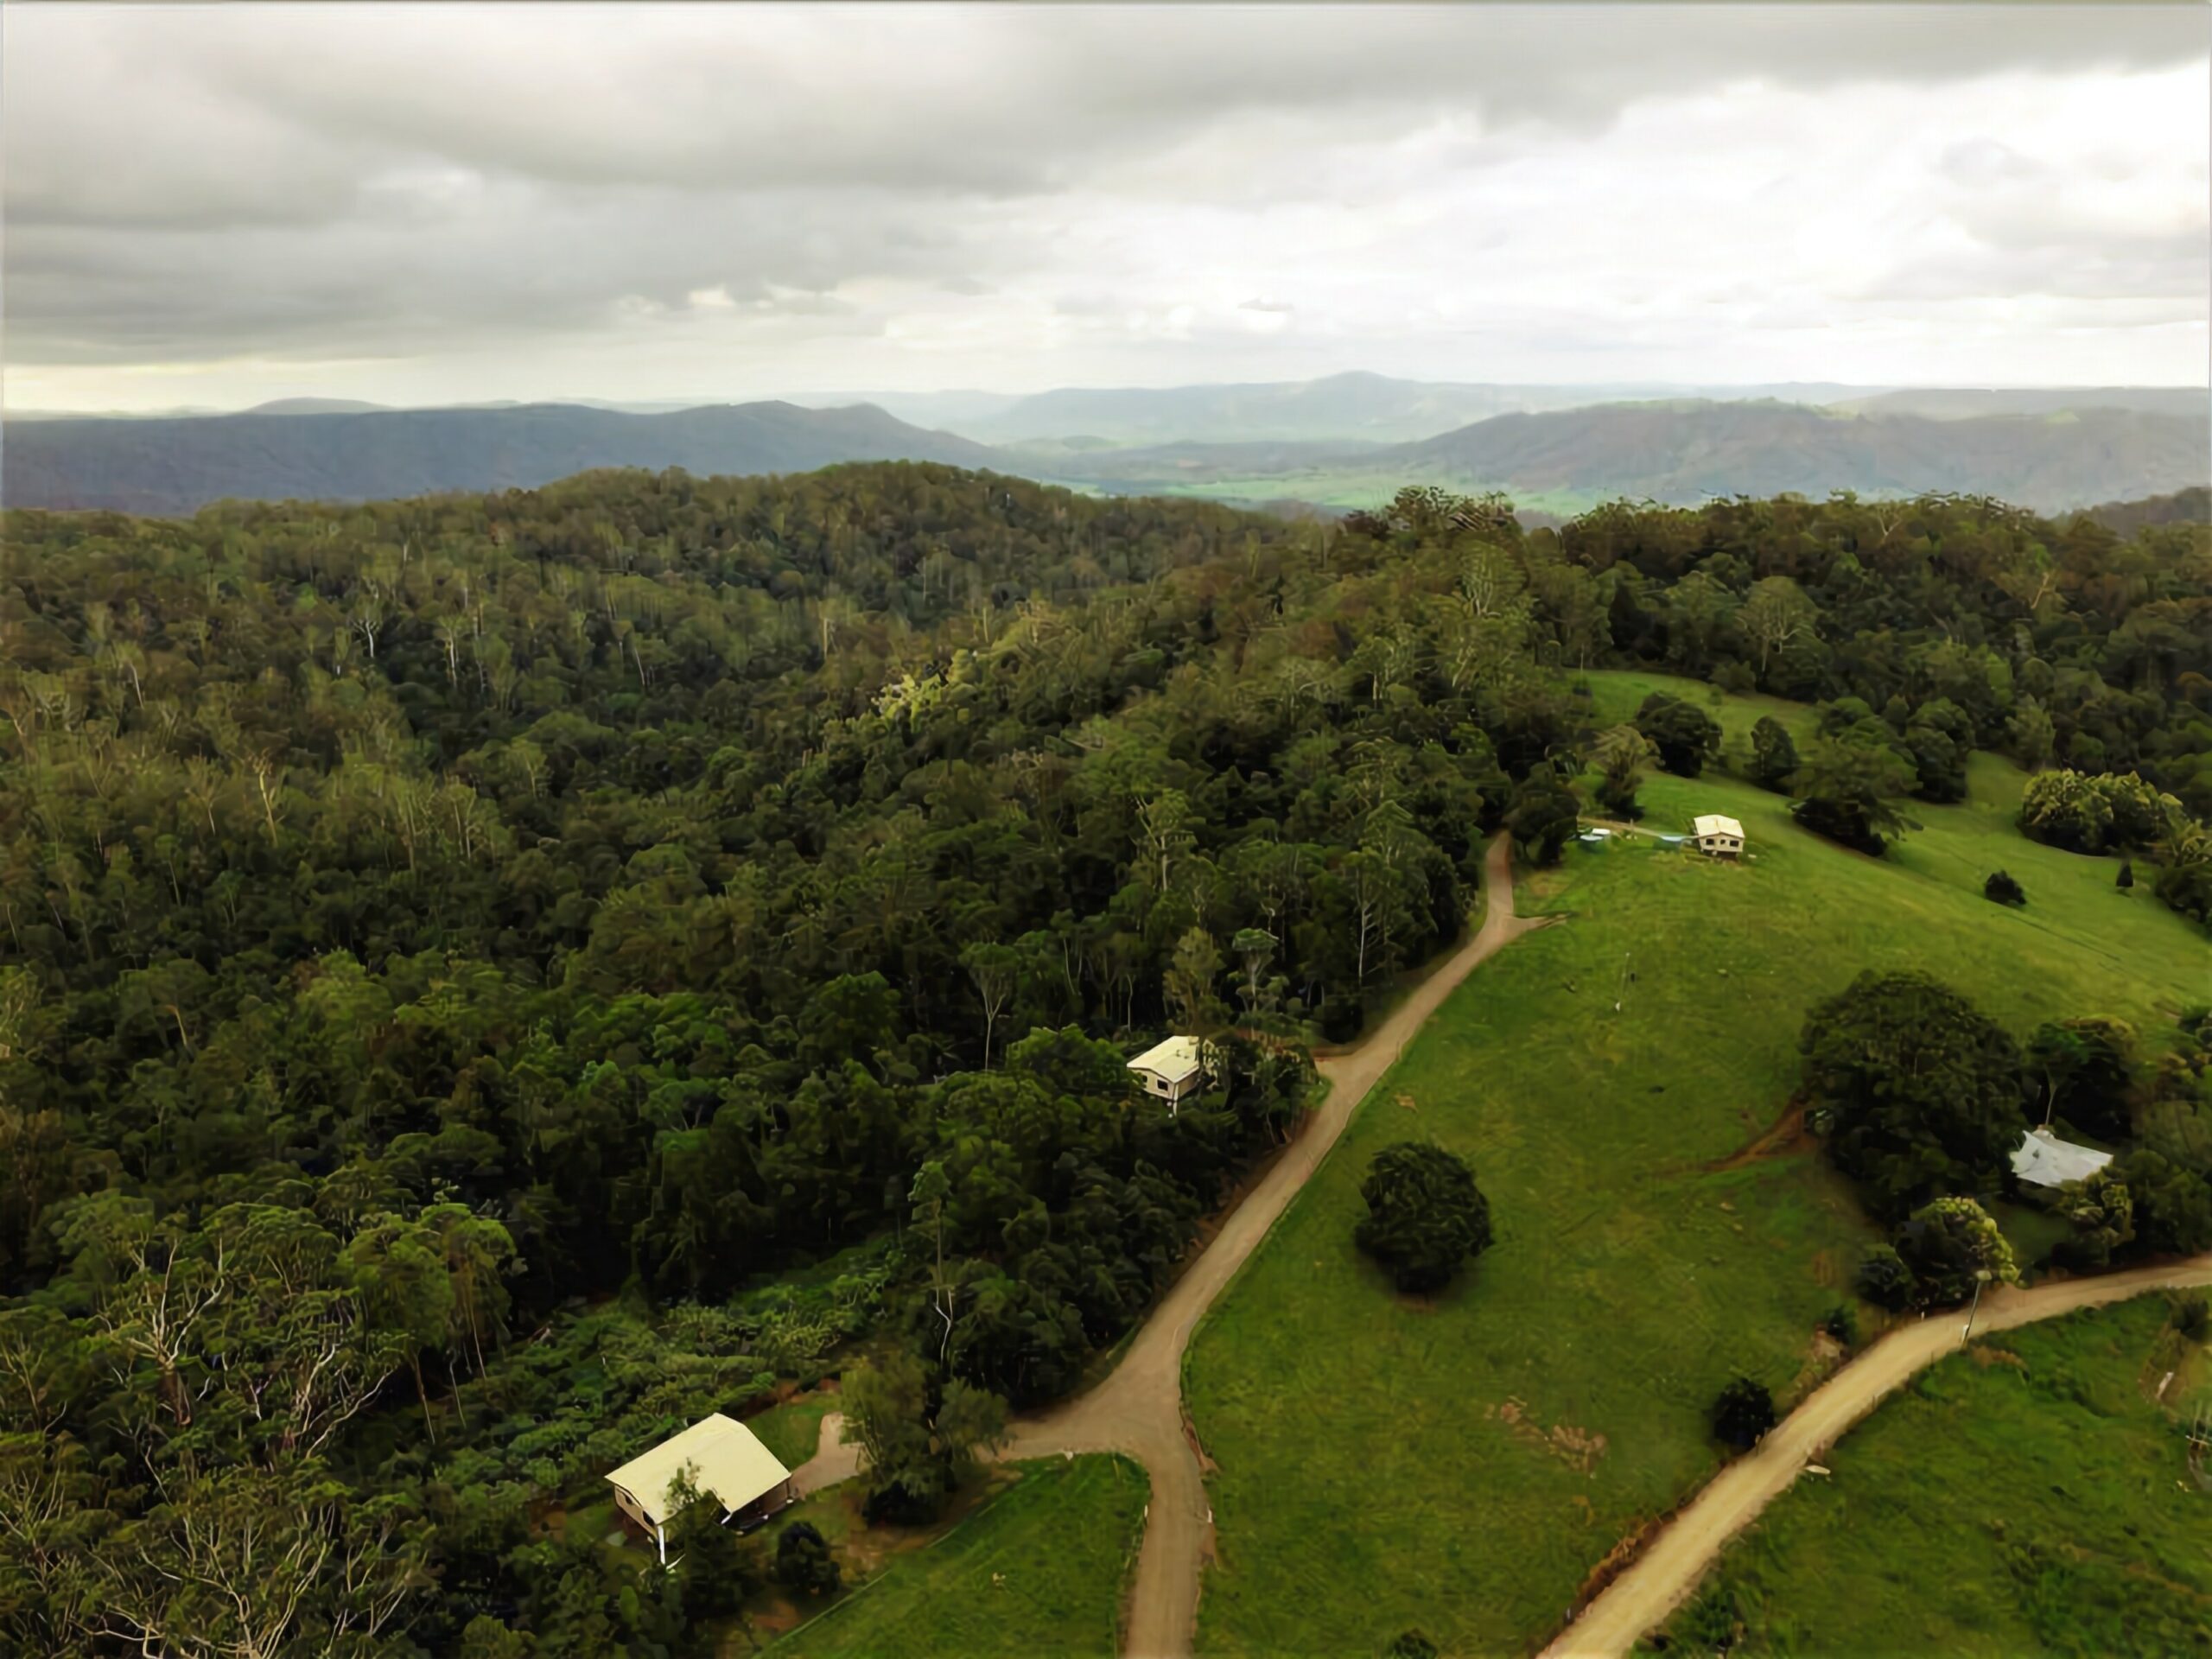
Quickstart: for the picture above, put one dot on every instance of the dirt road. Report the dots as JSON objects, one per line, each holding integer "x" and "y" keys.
{"x": 835, "y": 1458}
{"x": 1663, "y": 1576}
{"x": 1139, "y": 1408}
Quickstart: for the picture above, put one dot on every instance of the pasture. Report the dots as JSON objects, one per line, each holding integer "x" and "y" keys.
{"x": 1037, "y": 1569}
{"x": 2031, "y": 1496}
{"x": 1464, "y": 1465}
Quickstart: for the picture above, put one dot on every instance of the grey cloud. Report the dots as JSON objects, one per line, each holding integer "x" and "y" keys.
{"x": 1985, "y": 161}
{"x": 195, "y": 185}
{"x": 507, "y": 268}
{"x": 990, "y": 100}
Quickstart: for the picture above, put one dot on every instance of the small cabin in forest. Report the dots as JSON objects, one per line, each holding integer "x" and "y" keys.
{"x": 1717, "y": 837}
{"x": 1172, "y": 1070}
{"x": 728, "y": 1466}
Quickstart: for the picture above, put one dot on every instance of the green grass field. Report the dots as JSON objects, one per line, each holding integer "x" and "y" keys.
{"x": 2029, "y": 1498}
{"x": 1616, "y": 694}
{"x": 1464, "y": 1466}
{"x": 1039, "y": 1570}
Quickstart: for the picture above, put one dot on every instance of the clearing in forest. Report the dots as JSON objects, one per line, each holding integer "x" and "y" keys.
{"x": 1462, "y": 1466}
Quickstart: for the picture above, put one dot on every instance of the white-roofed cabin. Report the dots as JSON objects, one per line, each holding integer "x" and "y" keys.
{"x": 728, "y": 1466}
{"x": 1172, "y": 1070}
{"x": 1720, "y": 837}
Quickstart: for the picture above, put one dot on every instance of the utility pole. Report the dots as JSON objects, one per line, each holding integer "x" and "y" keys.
{"x": 1980, "y": 1278}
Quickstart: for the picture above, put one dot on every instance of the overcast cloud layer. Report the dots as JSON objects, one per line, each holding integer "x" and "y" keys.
{"x": 436, "y": 204}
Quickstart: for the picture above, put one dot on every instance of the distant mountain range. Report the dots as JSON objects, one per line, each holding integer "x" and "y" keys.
{"x": 1335, "y": 442}
{"x": 164, "y": 466}
{"x": 1959, "y": 403}
{"x": 1685, "y": 452}
{"x": 1374, "y": 408}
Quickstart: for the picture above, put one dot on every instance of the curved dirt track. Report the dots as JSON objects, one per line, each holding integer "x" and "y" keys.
{"x": 1138, "y": 1409}
{"x": 1662, "y": 1577}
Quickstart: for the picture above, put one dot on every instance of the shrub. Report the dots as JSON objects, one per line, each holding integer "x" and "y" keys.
{"x": 1410, "y": 1644}
{"x": 2188, "y": 888}
{"x": 803, "y": 1563}
{"x": 1743, "y": 1411}
{"x": 1843, "y": 1323}
{"x": 1710, "y": 1624}
{"x": 2002, "y": 889}
{"x": 1425, "y": 1215}
{"x": 2125, "y": 879}
{"x": 2192, "y": 1316}
{"x": 1883, "y": 1280}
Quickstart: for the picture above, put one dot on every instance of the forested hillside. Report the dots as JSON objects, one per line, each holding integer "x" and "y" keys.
{"x": 427, "y": 924}
{"x": 317, "y": 453}
{"x": 2192, "y": 506}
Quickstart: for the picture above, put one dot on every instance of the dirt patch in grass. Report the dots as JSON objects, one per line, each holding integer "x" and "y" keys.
{"x": 1785, "y": 1138}
{"x": 1824, "y": 1356}
{"x": 1578, "y": 1448}
{"x": 1986, "y": 1358}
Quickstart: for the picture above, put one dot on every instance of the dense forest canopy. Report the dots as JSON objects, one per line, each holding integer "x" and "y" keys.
{"x": 424, "y": 922}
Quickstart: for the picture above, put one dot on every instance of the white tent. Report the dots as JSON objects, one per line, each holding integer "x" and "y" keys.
{"x": 2042, "y": 1160}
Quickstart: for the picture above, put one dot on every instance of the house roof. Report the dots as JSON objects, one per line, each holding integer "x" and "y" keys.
{"x": 2042, "y": 1160}
{"x": 1712, "y": 824}
{"x": 1172, "y": 1060}
{"x": 725, "y": 1456}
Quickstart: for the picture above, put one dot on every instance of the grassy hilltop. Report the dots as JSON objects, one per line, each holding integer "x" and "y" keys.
{"x": 1463, "y": 1467}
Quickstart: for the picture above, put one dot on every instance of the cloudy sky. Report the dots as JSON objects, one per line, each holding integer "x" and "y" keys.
{"x": 447, "y": 202}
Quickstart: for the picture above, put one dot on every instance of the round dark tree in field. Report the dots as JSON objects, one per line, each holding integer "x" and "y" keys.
{"x": 1774, "y": 756}
{"x": 1917, "y": 1090}
{"x": 1743, "y": 1412}
{"x": 1425, "y": 1215}
{"x": 1684, "y": 736}
{"x": 2002, "y": 888}
{"x": 804, "y": 1562}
